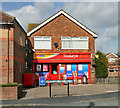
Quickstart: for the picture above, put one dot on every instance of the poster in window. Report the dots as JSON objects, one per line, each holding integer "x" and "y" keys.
{"x": 80, "y": 67}
{"x": 38, "y": 67}
{"x": 86, "y": 74}
{"x": 62, "y": 69}
{"x": 68, "y": 67}
{"x": 45, "y": 67}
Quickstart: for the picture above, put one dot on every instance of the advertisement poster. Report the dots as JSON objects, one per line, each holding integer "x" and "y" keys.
{"x": 86, "y": 74}
{"x": 68, "y": 67}
{"x": 42, "y": 81}
{"x": 45, "y": 67}
{"x": 62, "y": 69}
{"x": 80, "y": 67}
{"x": 38, "y": 67}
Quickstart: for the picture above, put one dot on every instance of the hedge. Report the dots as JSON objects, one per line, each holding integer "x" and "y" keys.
{"x": 9, "y": 84}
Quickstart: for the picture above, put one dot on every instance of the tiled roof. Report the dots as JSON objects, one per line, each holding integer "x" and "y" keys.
{"x": 6, "y": 18}
{"x": 32, "y": 26}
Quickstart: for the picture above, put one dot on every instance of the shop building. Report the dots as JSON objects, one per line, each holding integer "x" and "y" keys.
{"x": 12, "y": 44}
{"x": 113, "y": 67}
{"x": 62, "y": 45}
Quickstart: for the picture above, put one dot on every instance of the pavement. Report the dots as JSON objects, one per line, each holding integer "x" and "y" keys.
{"x": 80, "y": 95}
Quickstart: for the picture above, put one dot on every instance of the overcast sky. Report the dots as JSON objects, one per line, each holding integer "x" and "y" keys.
{"x": 100, "y": 17}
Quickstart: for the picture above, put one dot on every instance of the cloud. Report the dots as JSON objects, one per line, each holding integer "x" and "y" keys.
{"x": 108, "y": 40}
{"x": 32, "y": 14}
{"x": 102, "y": 18}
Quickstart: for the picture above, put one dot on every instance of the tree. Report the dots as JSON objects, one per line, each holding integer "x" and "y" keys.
{"x": 101, "y": 64}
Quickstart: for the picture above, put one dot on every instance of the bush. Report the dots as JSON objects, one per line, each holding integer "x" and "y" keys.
{"x": 9, "y": 84}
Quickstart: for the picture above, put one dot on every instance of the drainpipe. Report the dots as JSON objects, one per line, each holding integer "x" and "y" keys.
{"x": 8, "y": 55}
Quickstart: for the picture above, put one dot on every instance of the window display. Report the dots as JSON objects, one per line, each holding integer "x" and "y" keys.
{"x": 45, "y": 67}
{"x": 68, "y": 67}
{"x": 80, "y": 67}
{"x": 38, "y": 67}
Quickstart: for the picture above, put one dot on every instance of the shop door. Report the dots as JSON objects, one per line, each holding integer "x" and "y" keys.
{"x": 54, "y": 72}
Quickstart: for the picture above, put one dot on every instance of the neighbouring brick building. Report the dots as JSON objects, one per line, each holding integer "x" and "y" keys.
{"x": 113, "y": 67}
{"x": 62, "y": 45}
{"x": 12, "y": 45}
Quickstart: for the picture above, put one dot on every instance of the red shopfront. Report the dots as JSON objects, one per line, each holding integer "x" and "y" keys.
{"x": 58, "y": 64}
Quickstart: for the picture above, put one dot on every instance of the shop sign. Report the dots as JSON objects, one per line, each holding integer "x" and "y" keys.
{"x": 70, "y": 56}
{"x": 60, "y": 56}
{"x": 58, "y": 81}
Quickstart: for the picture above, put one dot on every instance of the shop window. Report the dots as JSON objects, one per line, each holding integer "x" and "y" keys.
{"x": 111, "y": 69}
{"x": 42, "y": 67}
{"x": 116, "y": 69}
{"x": 74, "y": 42}
{"x": 42, "y": 42}
{"x": 69, "y": 67}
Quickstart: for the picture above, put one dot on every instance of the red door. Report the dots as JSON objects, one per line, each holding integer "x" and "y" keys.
{"x": 54, "y": 71}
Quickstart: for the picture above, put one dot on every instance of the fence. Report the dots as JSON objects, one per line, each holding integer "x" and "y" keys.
{"x": 108, "y": 80}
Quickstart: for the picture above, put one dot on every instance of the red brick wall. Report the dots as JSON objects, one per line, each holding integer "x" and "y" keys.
{"x": 16, "y": 53}
{"x": 62, "y": 26}
{"x": 11, "y": 93}
{"x": 113, "y": 65}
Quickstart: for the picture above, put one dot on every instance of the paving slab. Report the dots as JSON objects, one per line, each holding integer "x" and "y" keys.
{"x": 75, "y": 90}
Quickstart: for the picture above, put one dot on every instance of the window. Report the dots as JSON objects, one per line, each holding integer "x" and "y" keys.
{"x": 42, "y": 68}
{"x": 111, "y": 69}
{"x": 21, "y": 44}
{"x": 111, "y": 59}
{"x": 74, "y": 42}
{"x": 116, "y": 69}
{"x": 42, "y": 42}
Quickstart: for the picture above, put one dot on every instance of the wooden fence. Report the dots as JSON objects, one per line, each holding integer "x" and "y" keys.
{"x": 108, "y": 80}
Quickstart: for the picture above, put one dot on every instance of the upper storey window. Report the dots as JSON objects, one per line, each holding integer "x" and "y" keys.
{"x": 42, "y": 42}
{"x": 74, "y": 42}
{"x": 111, "y": 59}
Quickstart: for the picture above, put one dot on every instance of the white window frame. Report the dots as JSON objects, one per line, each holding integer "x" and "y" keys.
{"x": 116, "y": 70}
{"x": 74, "y": 39}
{"x": 111, "y": 59}
{"x": 42, "y": 38}
{"x": 111, "y": 69}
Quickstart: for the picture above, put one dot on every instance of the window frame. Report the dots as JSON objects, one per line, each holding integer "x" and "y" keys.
{"x": 42, "y": 38}
{"x": 116, "y": 70}
{"x": 41, "y": 67}
{"x": 70, "y": 38}
{"x": 113, "y": 69}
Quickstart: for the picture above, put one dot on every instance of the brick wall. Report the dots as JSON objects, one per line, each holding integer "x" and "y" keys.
{"x": 19, "y": 53}
{"x": 16, "y": 53}
{"x": 113, "y": 65}
{"x": 62, "y": 26}
{"x": 11, "y": 93}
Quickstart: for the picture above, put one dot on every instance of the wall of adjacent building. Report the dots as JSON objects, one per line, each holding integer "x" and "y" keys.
{"x": 16, "y": 54}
